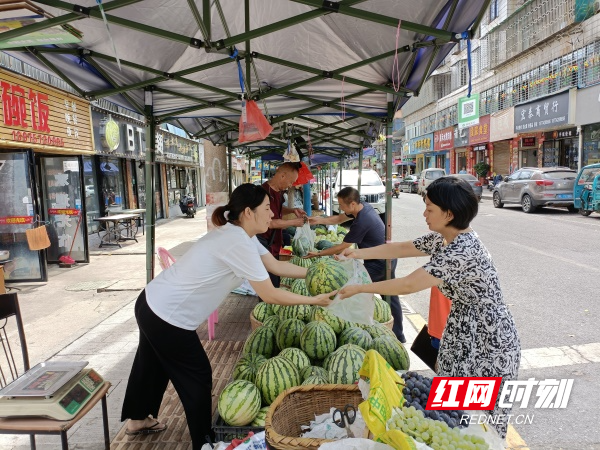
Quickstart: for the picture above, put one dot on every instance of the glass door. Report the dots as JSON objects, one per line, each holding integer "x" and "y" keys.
{"x": 18, "y": 206}
{"x": 62, "y": 189}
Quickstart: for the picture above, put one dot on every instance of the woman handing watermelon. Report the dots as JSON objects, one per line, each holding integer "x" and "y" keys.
{"x": 179, "y": 299}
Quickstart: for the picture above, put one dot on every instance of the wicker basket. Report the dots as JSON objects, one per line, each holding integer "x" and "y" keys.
{"x": 389, "y": 323}
{"x": 298, "y": 406}
{"x": 254, "y": 324}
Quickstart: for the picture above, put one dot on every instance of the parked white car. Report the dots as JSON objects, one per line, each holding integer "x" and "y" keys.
{"x": 372, "y": 189}
{"x": 428, "y": 176}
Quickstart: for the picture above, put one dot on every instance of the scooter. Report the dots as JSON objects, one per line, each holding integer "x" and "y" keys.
{"x": 396, "y": 190}
{"x": 187, "y": 206}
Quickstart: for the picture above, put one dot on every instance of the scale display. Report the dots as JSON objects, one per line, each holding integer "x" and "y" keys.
{"x": 63, "y": 404}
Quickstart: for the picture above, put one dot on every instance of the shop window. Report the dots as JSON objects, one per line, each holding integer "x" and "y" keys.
{"x": 493, "y": 10}
{"x": 92, "y": 199}
{"x": 113, "y": 191}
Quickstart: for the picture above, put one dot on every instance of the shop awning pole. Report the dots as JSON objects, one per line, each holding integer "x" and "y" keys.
{"x": 360, "y": 167}
{"x": 388, "y": 182}
{"x": 149, "y": 180}
{"x": 330, "y": 190}
{"x": 229, "y": 169}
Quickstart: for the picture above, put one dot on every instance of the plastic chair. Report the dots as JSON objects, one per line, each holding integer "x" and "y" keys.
{"x": 166, "y": 260}
{"x": 9, "y": 307}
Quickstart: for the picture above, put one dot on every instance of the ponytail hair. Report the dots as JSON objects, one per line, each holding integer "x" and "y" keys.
{"x": 246, "y": 195}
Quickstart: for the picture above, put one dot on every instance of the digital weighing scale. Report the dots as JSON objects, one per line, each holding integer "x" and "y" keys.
{"x": 54, "y": 389}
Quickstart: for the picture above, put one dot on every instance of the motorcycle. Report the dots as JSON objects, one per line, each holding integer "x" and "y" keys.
{"x": 586, "y": 192}
{"x": 187, "y": 206}
{"x": 495, "y": 181}
{"x": 396, "y": 190}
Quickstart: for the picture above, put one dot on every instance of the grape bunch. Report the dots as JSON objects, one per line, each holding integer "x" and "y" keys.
{"x": 416, "y": 392}
{"x": 438, "y": 435}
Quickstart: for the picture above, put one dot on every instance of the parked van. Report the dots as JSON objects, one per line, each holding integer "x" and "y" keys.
{"x": 372, "y": 189}
{"x": 428, "y": 176}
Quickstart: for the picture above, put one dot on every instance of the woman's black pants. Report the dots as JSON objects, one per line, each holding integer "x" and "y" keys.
{"x": 165, "y": 353}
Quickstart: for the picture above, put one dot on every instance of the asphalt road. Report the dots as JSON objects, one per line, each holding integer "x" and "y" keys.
{"x": 549, "y": 263}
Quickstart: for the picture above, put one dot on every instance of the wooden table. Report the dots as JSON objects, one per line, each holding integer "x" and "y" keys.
{"x": 117, "y": 228}
{"x": 141, "y": 220}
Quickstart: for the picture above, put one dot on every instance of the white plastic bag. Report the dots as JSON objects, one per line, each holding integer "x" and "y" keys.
{"x": 355, "y": 444}
{"x": 304, "y": 240}
{"x": 359, "y": 308}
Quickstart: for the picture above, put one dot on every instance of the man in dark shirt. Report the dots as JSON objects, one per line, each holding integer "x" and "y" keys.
{"x": 366, "y": 231}
{"x": 285, "y": 176}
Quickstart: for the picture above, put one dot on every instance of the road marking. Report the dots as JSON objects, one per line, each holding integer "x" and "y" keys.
{"x": 560, "y": 258}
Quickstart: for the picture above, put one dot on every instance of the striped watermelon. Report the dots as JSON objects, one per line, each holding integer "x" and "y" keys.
{"x": 274, "y": 377}
{"x": 324, "y": 276}
{"x": 275, "y": 309}
{"x": 285, "y": 281}
{"x": 345, "y": 363}
{"x": 316, "y": 379}
{"x": 239, "y": 403}
{"x": 299, "y": 287}
{"x": 247, "y": 366}
{"x": 297, "y": 261}
{"x": 272, "y": 322}
{"x": 307, "y": 371}
{"x": 261, "y": 311}
{"x": 288, "y": 333}
{"x": 325, "y": 363}
{"x": 383, "y": 312}
{"x": 356, "y": 336}
{"x": 261, "y": 341}
{"x": 297, "y": 356}
{"x": 318, "y": 340}
{"x": 294, "y": 311}
{"x": 377, "y": 330}
{"x": 259, "y": 420}
{"x": 321, "y": 314}
{"x": 392, "y": 351}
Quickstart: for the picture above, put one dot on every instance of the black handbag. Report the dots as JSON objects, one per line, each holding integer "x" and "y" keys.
{"x": 423, "y": 349}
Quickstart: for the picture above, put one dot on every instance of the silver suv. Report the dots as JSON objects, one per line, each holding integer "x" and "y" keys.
{"x": 534, "y": 187}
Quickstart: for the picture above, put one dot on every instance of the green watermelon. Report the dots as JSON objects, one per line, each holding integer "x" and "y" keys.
{"x": 324, "y": 315}
{"x": 261, "y": 311}
{"x": 324, "y": 244}
{"x": 239, "y": 403}
{"x": 301, "y": 246}
{"x": 377, "y": 330}
{"x": 275, "y": 309}
{"x": 325, "y": 363}
{"x": 274, "y": 377}
{"x": 324, "y": 276}
{"x": 259, "y": 420}
{"x": 291, "y": 231}
{"x": 341, "y": 230}
{"x": 356, "y": 336}
{"x": 392, "y": 351}
{"x": 307, "y": 371}
{"x": 299, "y": 287}
{"x": 345, "y": 363}
{"x": 297, "y": 356}
{"x": 261, "y": 341}
{"x": 272, "y": 322}
{"x": 297, "y": 261}
{"x": 247, "y": 366}
{"x": 300, "y": 312}
{"x": 288, "y": 333}
{"x": 285, "y": 281}
{"x": 316, "y": 379}
{"x": 383, "y": 312}
{"x": 318, "y": 340}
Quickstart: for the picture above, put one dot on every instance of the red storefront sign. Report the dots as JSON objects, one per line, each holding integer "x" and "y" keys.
{"x": 63, "y": 211}
{"x": 16, "y": 220}
{"x": 480, "y": 134}
{"x": 443, "y": 139}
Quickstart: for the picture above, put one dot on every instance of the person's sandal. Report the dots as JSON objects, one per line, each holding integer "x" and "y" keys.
{"x": 157, "y": 427}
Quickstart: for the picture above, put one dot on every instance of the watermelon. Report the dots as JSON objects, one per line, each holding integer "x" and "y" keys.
{"x": 383, "y": 312}
{"x": 285, "y": 281}
{"x": 392, "y": 351}
{"x": 297, "y": 356}
{"x": 345, "y": 363}
{"x": 307, "y": 371}
{"x": 275, "y": 309}
{"x": 324, "y": 315}
{"x": 356, "y": 336}
{"x": 288, "y": 333}
{"x": 318, "y": 340}
{"x": 272, "y": 322}
{"x": 291, "y": 231}
{"x": 259, "y": 420}
{"x": 297, "y": 261}
{"x": 326, "y": 362}
{"x": 324, "y": 276}
{"x": 261, "y": 311}
{"x": 316, "y": 379}
{"x": 301, "y": 245}
{"x": 300, "y": 312}
{"x": 377, "y": 330}
{"x": 323, "y": 244}
{"x": 274, "y": 377}
{"x": 299, "y": 287}
{"x": 341, "y": 230}
{"x": 239, "y": 403}
{"x": 247, "y": 366}
{"x": 261, "y": 341}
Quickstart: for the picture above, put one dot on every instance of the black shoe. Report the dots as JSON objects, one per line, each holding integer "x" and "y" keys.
{"x": 401, "y": 338}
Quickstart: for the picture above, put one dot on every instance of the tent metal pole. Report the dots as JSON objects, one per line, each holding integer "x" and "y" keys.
{"x": 330, "y": 190}
{"x": 229, "y": 168}
{"x": 150, "y": 182}
{"x": 360, "y": 167}
{"x": 388, "y": 183}
{"x": 206, "y": 15}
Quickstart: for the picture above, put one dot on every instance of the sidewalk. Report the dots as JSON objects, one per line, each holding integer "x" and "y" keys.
{"x": 86, "y": 313}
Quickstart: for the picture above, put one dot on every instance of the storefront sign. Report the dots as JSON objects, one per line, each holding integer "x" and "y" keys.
{"x": 468, "y": 111}
{"x": 479, "y": 134}
{"x": 38, "y": 116}
{"x": 421, "y": 144}
{"x": 501, "y": 125}
{"x": 16, "y": 220}
{"x": 63, "y": 212}
{"x": 480, "y": 147}
{"x": 176, "y": 148}
{"x": 545, "y": 113}
{"x": 118, "y": 136}
{"x": 461, "y": 137}
{"x": 443, "y": 139}
{"x": 529, "y": 141}
{"x": 560, "y": 134}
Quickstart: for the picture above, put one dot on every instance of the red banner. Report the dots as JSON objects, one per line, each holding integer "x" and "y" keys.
{"x": 16, "y": 220}
{"x": 443, "y": 139}
{"x": 63, "y": 211}
{"x": 472, "y": 393}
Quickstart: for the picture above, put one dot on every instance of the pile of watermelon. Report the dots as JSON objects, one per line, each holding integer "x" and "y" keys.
{"x": 302, "y": 345}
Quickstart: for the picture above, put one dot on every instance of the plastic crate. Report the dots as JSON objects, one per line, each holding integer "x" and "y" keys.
{"x": 227, "y": 433}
